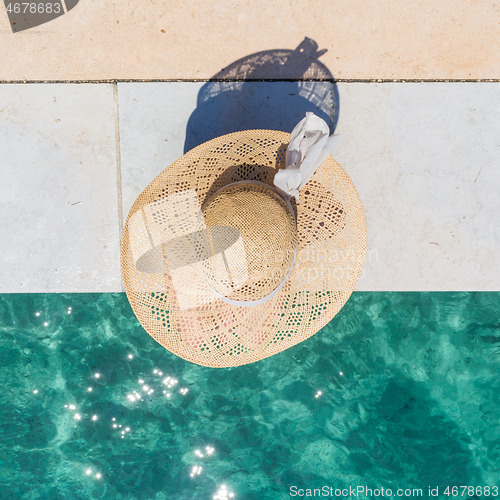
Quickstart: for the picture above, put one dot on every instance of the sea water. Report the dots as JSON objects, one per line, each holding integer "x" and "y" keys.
{"x": 398, "y": 391}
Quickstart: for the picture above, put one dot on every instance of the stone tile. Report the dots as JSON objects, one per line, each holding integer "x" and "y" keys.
{"x": 59, "y": 197}
{"x": 161, "y": 121}
{"x": 422, "y": 156}
{"x": 153, "y": 118}
{"x": 365, "y": 39}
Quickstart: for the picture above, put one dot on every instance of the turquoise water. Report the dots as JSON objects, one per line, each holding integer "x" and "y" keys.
{"x": 409, "y": 398}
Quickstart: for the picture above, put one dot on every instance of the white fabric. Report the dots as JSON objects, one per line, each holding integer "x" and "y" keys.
{"x": 309, "y": 145}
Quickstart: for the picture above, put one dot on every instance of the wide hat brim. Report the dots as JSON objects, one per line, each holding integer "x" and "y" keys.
{"x": 331, "y": 250}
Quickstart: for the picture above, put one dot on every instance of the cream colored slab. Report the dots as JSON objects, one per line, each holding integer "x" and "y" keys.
{"x": 365, "y": 39}
{"x": 153, "y": 119}
{"x": 161, "y": 121}
{"x": 424, "y": 158}
{"x": 58, "y": 194}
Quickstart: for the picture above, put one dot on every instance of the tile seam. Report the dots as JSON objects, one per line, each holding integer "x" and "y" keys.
{"x": 202, "y": 80}
{"x": 118, "y": 161}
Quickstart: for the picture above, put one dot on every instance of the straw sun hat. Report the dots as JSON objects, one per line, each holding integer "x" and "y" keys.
{"x": 245, "y": 246}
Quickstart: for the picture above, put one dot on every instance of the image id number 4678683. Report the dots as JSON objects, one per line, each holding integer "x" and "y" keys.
{"x": 34, "y": 8}
{"x": 476, "y": 491}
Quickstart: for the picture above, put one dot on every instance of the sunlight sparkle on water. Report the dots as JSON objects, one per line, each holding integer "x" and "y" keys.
{"x": 196, "y": 470}
{"x": 223, "y": 493}
{"x": 170, "y": 382}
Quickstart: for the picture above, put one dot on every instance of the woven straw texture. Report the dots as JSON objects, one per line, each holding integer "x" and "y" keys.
{"x": 259, "y": 218}
{"x": 162, "y": 277}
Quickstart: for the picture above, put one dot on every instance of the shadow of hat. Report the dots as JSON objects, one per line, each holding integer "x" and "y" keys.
{"x": 240, "y": 98}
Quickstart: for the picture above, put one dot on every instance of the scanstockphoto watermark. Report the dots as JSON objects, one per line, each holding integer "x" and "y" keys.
{"x": 355, "y": 491}
{"x": 24, "y": 15}
{"x": 363, "y": 491}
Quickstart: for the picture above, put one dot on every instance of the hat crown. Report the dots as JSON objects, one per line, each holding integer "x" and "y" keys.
{"x": 245, "y": 243}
